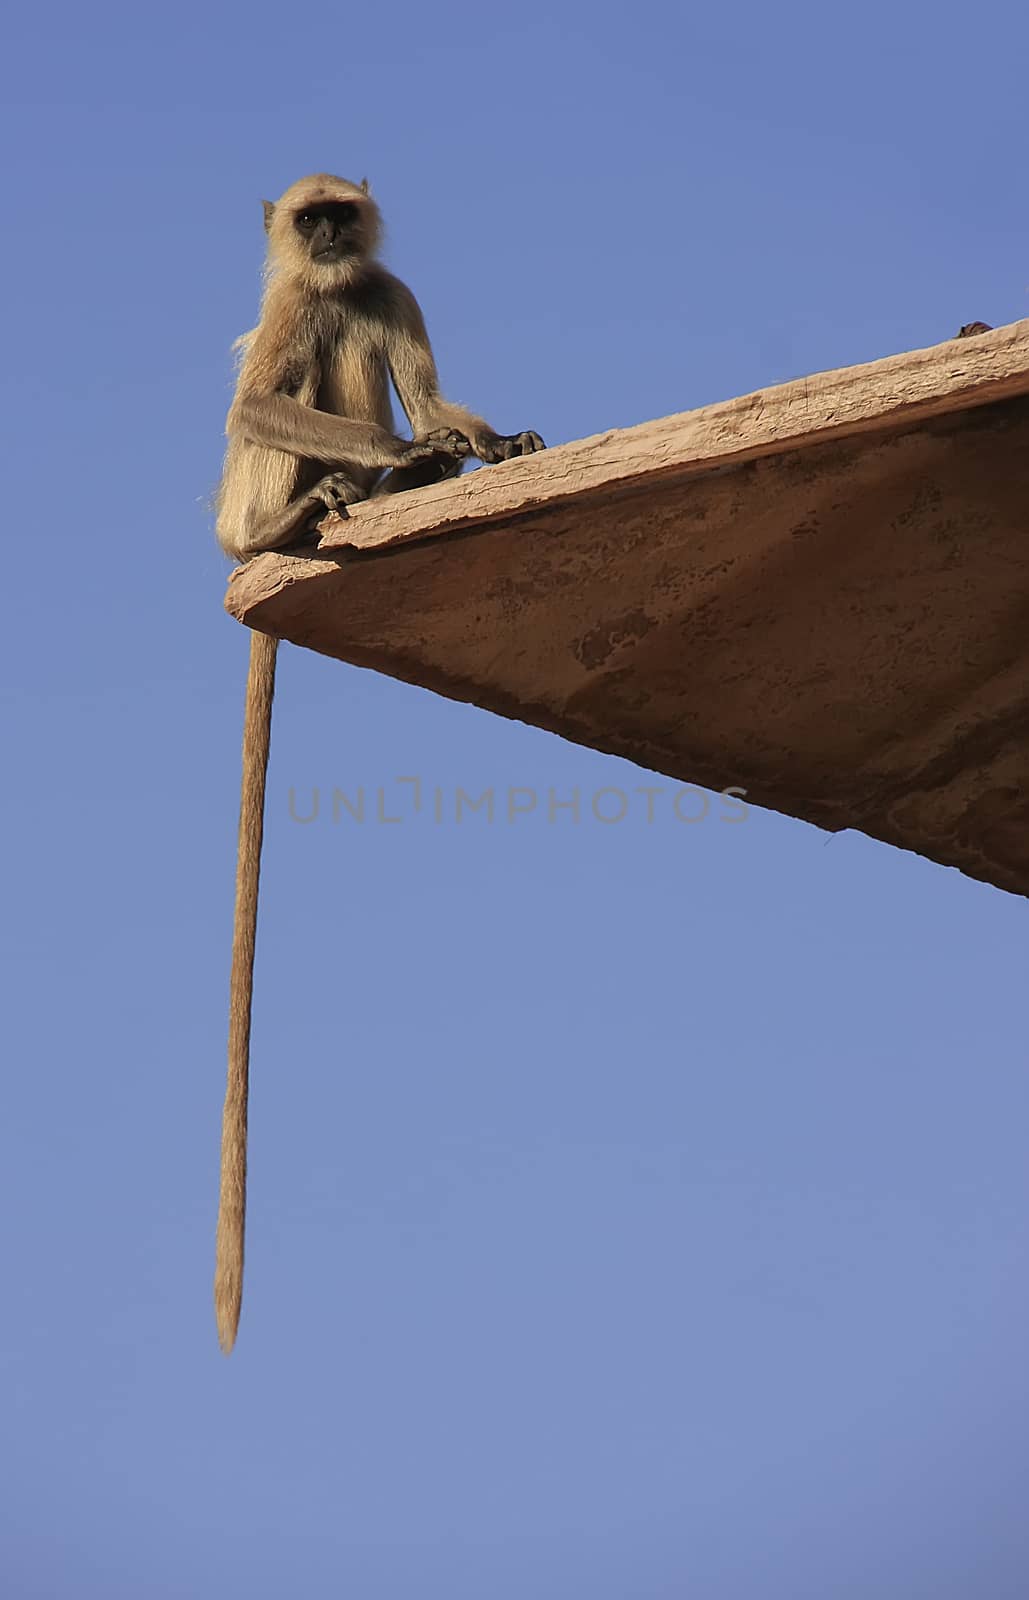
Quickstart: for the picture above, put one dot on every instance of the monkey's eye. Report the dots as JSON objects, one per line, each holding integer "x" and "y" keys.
{"x": 306, "y": 219}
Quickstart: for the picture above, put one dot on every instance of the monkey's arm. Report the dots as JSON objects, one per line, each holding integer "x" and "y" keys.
{"x": 416, "y": 381}
{"x": 279, "y": 422}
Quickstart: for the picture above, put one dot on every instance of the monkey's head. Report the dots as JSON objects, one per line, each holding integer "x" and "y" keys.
{"x": 322, "y": 231}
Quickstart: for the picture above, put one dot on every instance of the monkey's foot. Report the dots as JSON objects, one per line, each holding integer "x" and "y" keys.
{"x": 335, "y": 492}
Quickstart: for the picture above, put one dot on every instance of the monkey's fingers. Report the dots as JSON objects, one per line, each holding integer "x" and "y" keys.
{"x": 448, "y": 439}
{"x": 414, "y": 453}
{"x": 335, "y": 492}
{"x": 434, "y": 449}
{"x": 505, "y": 447}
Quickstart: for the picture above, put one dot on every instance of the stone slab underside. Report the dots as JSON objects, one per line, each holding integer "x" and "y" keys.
{"x": 819, "y": 593}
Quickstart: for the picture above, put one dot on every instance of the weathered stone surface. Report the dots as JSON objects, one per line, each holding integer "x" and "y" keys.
{"x": 819, "y": 593}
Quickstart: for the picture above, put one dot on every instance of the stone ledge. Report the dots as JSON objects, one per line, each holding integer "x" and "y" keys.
{"x": 819, "y": 592}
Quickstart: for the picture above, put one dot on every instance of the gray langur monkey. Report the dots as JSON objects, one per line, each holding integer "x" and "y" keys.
{"x": 310, "y": 431}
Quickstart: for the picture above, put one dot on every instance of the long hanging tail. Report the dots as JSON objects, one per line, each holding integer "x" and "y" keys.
{"x": 257, "y": 727}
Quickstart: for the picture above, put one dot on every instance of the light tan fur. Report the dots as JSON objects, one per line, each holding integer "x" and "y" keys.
{"x": 228, "y": 1281}
{"x": 310, "y": 430}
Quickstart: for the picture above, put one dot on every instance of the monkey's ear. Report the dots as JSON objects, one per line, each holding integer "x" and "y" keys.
{"x": 364, "y": 185}
{"x": 269, "y": 212}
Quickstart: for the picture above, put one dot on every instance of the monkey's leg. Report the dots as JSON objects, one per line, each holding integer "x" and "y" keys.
{"x": 278, "y": 528}
{"x": 417, "y": 477}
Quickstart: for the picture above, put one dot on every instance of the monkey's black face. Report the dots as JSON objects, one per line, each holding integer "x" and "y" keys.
{"x": 331, "y": 229}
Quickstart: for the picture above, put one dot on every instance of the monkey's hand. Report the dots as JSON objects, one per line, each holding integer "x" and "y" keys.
{"x": 440, "y": 442}
{"x": 491, "y": 447}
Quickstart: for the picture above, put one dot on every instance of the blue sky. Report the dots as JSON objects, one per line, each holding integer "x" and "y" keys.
{"x": 636, "y": 1211}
